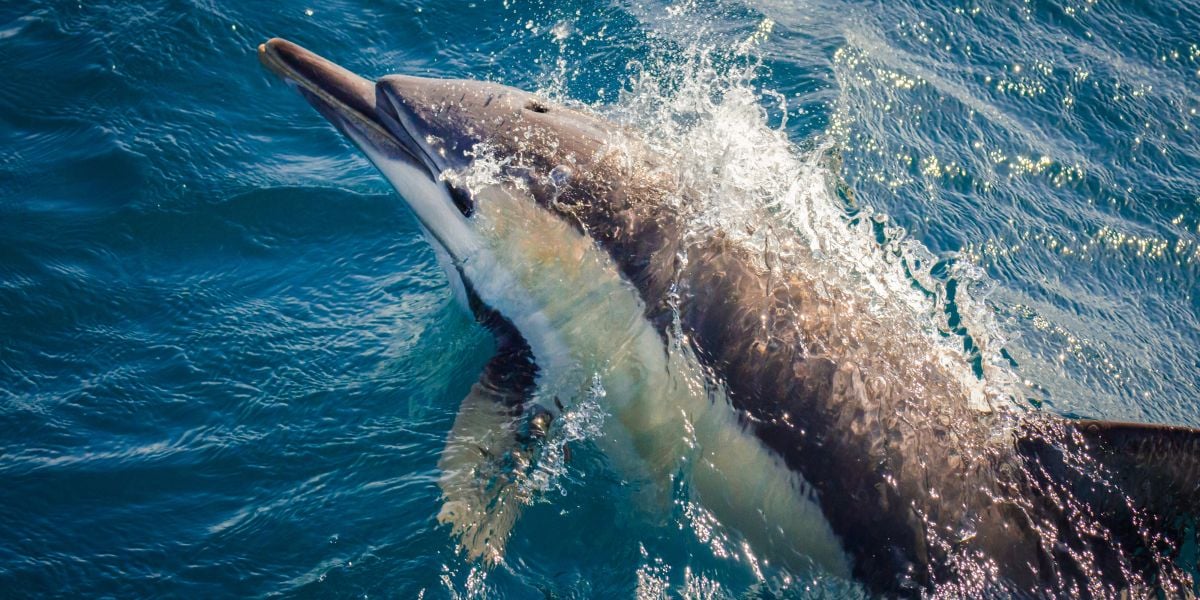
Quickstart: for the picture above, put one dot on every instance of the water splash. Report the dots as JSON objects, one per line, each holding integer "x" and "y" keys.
{"x": 582, "y": 421}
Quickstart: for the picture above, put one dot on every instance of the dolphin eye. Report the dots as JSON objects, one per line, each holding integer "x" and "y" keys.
{"x": 537, "y": 107}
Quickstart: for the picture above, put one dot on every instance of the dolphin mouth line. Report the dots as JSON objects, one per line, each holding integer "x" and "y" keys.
{"x": 343, "y": 96}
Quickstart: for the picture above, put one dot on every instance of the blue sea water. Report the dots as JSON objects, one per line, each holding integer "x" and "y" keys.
{"x": 228, "y": 359}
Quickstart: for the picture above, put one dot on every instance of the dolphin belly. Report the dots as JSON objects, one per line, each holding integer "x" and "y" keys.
{"x": 663, "y": 411}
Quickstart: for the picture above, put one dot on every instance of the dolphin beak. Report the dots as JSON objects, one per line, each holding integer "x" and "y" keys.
{"x": 346, "y": 99}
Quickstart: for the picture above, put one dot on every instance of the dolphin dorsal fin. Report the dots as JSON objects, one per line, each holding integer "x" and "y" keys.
{"x": 1158, "y": 465}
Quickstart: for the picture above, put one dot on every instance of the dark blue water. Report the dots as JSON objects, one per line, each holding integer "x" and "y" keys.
{"x": 228, "y": 360}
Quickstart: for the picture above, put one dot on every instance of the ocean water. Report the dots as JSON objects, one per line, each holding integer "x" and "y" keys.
{"x": 229, "y": 361}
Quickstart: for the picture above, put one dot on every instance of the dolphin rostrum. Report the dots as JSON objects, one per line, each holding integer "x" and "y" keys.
{"x": 825, "y": 440}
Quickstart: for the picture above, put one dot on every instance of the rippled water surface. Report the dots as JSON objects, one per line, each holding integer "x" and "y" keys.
{"x": 229, "y": 360}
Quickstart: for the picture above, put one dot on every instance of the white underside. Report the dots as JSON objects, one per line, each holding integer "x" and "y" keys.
{"x": 584, "y": 323}
{"x": 457, "y": 239}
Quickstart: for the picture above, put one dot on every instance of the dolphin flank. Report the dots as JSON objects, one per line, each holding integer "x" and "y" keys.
{"x": 852, "y": 451}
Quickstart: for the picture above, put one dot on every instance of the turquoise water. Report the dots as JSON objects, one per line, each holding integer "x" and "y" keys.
{"x": 229, "y": 359}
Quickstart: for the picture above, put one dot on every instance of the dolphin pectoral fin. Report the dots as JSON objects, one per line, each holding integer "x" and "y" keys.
{"x": 1158, "y": 466}
{"x": 485, "y": 456}
{"x": 481, "y": 502}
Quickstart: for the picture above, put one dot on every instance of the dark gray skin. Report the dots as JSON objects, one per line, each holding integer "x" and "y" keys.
{"x": 927, "y": 494}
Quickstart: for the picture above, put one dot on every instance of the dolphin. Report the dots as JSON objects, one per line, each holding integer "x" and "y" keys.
{"x": 831, "y": 441}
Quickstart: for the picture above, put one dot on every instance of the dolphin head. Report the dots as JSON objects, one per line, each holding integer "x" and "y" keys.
{"x": 416, "y": 130}
{"x": 351, "y": 103}
{"x": 451, "y": 118}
